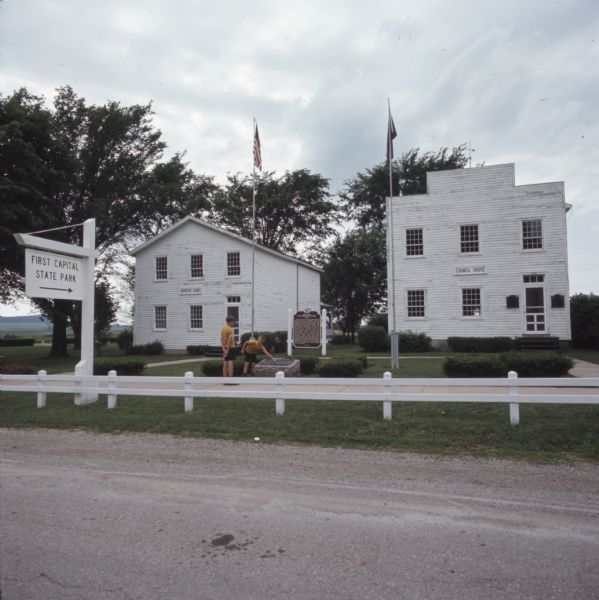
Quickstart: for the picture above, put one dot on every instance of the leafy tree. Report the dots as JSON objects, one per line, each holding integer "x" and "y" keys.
{"x": 30, "y": 166}
{"x": 364, "y": 196}
{"x": 100, "y": 161}
{"x": 584, "y": 316}
{"x": 292, "y": 211}
{"x": 354, "y": 278}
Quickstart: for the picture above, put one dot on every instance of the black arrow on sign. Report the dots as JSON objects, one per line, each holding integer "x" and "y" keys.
{"x": 57, "y": 289}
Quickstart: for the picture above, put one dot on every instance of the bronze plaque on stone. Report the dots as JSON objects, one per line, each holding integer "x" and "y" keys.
{"x": 306, "y": 329}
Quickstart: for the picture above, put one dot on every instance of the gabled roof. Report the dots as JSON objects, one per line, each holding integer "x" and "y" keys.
{"x": 178, "y": 224}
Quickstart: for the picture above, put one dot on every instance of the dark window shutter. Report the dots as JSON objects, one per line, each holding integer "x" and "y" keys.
{"x": 557, "y": 301}
{"x": 512, "y": 302}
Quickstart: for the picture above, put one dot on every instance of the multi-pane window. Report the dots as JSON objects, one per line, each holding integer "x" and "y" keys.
{"x": 532, "y": 234}
{"x": 160, "y": 317}
{"x": 415, "y": 303}
{"x": 197, "y": 265}
{"x": 468, "y": 238}
{"x": 161, "y": 267}
{"x": 233, "y": 264}
{"x": 414, "y": 242}
{"x": 196, "y": 320}
{"x": 533, "y": 278}
{"x": 471, "y": 302}
{"x": 233, "y": 299}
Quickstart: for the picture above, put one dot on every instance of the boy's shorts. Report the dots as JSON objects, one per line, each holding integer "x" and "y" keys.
{"x": 251, "y": 358}
{"x": 231, "y": 354}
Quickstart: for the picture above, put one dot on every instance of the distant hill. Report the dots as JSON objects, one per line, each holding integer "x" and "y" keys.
{"x": 35, "y": 325}
{"x": 29, "y": 323}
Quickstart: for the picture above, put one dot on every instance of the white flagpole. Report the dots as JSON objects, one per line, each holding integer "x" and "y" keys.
{"x": 253, "y": 223}
{"x": 394, "y": 336}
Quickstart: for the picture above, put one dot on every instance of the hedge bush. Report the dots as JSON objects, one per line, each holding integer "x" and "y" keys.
{"x": 199, "y": 350}
{"x": 12, "y": 341}
{"x": 373, "y": 338}
{"x": 129, "y": 366}
{"x": 340, "y": 368}
{"x": 17, "y": 369}
{"x": 584, "y": 317}
{"x": 150, "y": 349}
{"x": 214, "y": 368}
{"x": 340, "y": 340}
{"x": 308, "y": 365}
{"x": 124, "y": 340}
{"x": 526, "y": 364}
{"x": 380, "y": 320}
{"x": 410, "y": 341}
{"x": 480, "y": 344}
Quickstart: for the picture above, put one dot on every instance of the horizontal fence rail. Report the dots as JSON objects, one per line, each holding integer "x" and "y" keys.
{"x": 386, "y": 390}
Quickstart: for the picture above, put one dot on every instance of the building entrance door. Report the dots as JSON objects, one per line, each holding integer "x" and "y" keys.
{"x": 535, "y": 310}
{"x": 232, "y": 310}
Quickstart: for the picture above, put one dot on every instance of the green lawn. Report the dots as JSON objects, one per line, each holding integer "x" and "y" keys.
{"x": 546, "y": 433}
{"x": 38, "y": 357}
{"x": 588, "y": 355}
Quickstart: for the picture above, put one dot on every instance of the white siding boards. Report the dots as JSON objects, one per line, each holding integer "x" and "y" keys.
{"x": 189, "y": 277}
{"x": 479, "y": 256}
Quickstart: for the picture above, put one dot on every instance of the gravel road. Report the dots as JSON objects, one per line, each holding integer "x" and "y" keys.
{"x": 122, "y": 517}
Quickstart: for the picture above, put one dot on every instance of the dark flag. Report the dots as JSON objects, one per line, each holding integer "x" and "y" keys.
{"x": 391, "y": 135}
{"x": 257, "y": 150}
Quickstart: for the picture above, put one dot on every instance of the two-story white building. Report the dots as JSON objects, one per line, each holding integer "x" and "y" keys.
{"x": 192, "y": 275}
{"x": 478, "y": 256}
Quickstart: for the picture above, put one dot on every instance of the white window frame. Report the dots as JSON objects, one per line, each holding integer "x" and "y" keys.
{"x": 155, "y": 321}
{"x": 463, "y": 305}
{"x": 191, "y": 267}
{"x": 229, "y": 266}
{"x": 416, "y": 317}
{"x": 191, "y": 318}
{"x": 461, "y": 241}
{"x": 407, "y": 245}
{"x": 541, "y": 221}
{"x": 157, "y": 270}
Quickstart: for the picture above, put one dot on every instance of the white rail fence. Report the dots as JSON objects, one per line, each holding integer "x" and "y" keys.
{"x": 510, "y": 390}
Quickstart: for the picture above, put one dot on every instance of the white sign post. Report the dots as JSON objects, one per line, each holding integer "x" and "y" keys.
{"x": 63, "y": 271}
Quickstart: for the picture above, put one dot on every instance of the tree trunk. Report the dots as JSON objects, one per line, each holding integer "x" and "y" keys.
{"x": 76, "y": 324}
{"x": 59, "y": 318}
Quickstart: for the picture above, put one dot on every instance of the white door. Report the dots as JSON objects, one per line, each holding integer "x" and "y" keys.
{"x": 534, "y": 309}
{"x": 232, "y": 309}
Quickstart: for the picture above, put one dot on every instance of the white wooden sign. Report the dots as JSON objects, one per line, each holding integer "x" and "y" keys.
{"x": 50, "y": 275}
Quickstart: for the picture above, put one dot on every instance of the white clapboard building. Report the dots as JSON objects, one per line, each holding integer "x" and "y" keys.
{"x": 480, "y": 256}
{"x": 192, "y": 275}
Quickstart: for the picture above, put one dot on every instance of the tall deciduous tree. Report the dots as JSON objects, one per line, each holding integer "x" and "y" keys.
{"x": 354, "y": 278}
{"x": 292, "y": 211}
{"x": 99, "y": 161}
{"x": 364, "y": 196}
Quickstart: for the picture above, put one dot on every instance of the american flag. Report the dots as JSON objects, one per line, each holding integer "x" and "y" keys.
{"x": 257, "y": 151}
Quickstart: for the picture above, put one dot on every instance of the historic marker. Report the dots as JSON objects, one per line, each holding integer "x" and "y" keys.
{"x": 49, "y": 275}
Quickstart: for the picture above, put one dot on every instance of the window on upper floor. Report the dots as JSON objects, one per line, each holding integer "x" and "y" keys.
{"x": 160, "y": 317}
{"x": 471, "y": 306}
{"x": 532, "y": 234}
{"x": 196, "y": 317}
{"x": 468, "y": 238}
{"x": 414, "y": 242}
{"x": 197, "y": 265}
{"x": 161, "y": 267}
{"x": 416, "y": 303}
{"x": 233, "y": 264}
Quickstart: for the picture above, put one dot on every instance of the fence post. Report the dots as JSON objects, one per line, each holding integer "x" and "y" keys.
{"x": 188, "y": 399}
{"x": 387, "y": 403}
{"x": 513, "y": 391}
{"x": 111, "y": 389}
{"x": 280, "y": 387}
{"x": 41, "y": 395}
{"x": 79, "y": 371}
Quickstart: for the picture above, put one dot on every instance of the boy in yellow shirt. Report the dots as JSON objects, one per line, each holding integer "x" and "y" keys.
{"x": 250, "y": 349}
{"x": 227, "y": 341}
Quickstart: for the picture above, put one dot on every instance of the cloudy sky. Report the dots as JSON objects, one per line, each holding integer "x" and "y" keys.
{"x": 519, "y": 79}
